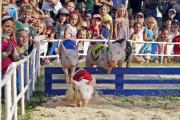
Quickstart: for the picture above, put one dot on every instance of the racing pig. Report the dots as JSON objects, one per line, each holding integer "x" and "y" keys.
{"x": 98, "y": 55}
{"x": 82, "y": 88}
{"x": 119, "y": 51}
{"x": 68, "y": 53}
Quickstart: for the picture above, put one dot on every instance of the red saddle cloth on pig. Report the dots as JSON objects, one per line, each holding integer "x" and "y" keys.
{"x": 82, "y": 74}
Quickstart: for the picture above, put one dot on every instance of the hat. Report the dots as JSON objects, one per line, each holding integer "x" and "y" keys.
{"x": 175, "y": 22}
{"x": 48, "y": 22}
{"x": 172, "y": 10}
{"x": 97, "y": 16}
{"x": 6, "y": 17}
{"x": 140, "y": 14}
{"x": 107, "y": 18}
{"x": 63, "y": 11}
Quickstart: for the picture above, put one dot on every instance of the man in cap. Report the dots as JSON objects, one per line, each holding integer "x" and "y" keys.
{"x": 171, "y": 13}
{"x": 61, "y": 17}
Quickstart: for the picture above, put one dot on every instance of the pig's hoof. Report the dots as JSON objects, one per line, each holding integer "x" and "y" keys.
{"x": 79, "y": 104}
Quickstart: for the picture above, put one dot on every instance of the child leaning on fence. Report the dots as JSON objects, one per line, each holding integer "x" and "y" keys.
{"x": 8, "y": 43}
{"x": 73, "y": 26}
{"x": 22, "y": 38}
{"x": 149, "y": 35}
{"x": 162, "y": 47}
{"x": 137, "y": 46}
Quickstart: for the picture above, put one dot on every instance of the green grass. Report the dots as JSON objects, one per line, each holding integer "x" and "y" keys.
{"x": 160, "y": 101}
{"x": 38, "y": 97}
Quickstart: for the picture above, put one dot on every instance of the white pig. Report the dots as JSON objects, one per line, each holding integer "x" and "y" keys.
{"x": 98, "y": 55}
{"x": 81, "y": 89}
{"x": 119, "y": 51}
{"x": 68, "y": 53}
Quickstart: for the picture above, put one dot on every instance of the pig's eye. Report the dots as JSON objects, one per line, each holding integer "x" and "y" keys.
{"x": 102, "y": 59}
{"x": 66, "y": 57}
{"x": 118, "y": 52}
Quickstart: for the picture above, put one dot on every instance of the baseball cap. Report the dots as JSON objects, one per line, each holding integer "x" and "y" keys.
{"x": 175, "y": 22}
{"x": 6, "y": 17}
{"x": 63, "y": 11}
{"x": 140, "y": 14}
{"x": 97, "y": 16}
{"x": 48, "y": 22}
{"x": 172, "y": 10}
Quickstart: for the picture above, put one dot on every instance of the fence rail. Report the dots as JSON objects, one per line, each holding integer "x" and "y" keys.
{"x": 118, "y": 81}
{"x": 18, "y": 84}
{"x": 85, "y": 48}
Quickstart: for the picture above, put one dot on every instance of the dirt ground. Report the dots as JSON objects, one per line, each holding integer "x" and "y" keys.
{"x": 113, "y": 108}
{"x": 108, "y": 108}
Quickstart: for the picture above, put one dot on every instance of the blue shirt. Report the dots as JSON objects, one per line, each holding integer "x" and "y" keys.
{"x": 149, "y": 33}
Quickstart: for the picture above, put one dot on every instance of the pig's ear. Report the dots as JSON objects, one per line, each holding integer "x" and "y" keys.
{"x": 123, "y": 44}
{"x": 74, "y": 83}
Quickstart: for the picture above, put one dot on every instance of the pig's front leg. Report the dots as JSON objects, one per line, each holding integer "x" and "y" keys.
{"x": 66, "y": 75}
{"x": 72, "y": 73}
{"x": 88, "y": 63}
{"x": 129, "y": 60}
{"x": 119, "y": 64}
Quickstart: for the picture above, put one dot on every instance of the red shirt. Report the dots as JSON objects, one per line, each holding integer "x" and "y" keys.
{"x": 95, "y": 31}
{"x": 82, "y": 74}
{"x": 176, "y": 48}
{"x": 7, "y": 61}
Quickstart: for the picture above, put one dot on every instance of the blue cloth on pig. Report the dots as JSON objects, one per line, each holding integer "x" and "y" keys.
{"x": 69, "y": 44}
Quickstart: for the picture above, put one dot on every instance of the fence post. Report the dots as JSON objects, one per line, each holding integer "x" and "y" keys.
{"x": 22, "y": 89}
{"x": 162, "y": 54}
{"x": 15, "y": 94}
{"x": 34, "y": 71}
{"x": 118, "y": 82}
{"x": 28, "y": 81}
{"x": 8, "y": 99}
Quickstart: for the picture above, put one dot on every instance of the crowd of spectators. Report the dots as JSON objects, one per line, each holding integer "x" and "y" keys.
{"x": 26, "y": 22}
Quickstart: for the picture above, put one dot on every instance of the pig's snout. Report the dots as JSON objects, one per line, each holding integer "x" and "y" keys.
{"x": 113, "y": 62}
{"x": 71, "y": 66}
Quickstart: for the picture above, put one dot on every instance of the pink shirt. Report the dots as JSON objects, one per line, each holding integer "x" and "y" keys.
{"x": 7, "y": 61}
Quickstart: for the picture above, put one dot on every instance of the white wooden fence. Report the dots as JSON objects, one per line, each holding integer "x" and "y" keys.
{"x": 87, "y": 41}
{"x": 27, "y": 67}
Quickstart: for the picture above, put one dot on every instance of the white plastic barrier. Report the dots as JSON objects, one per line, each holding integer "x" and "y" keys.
{"x": 9, "y": 84}
{"x": 87, "y": 41}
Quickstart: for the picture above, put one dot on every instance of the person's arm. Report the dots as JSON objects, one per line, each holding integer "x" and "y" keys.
{"x": 115, "y": 29}
{"x": 132, "y": 37}
{"x": 127, "y": 22}
{"x": 97, "y": 2}
{"x": 145, "y": 37}
{"x": 14, "y": 55}
{"x": 109, "y": 3}
{"x": 7, "y": 51}
{"x": 111, "y": 30}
